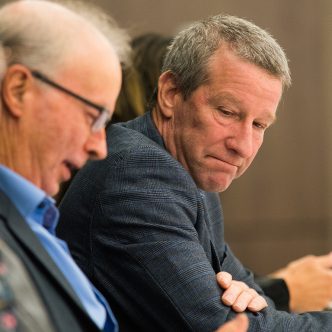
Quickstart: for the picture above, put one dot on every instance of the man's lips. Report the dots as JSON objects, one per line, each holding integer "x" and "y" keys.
{"x": 231, "y": 163}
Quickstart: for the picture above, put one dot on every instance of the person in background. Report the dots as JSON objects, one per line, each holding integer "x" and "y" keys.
{"x": 59, "y": 85}
{"x": 291, "y": 288}
{"x": 140, "y": 79}
{"x": 146, "y": 223}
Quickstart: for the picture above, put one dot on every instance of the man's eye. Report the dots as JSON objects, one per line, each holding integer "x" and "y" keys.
{"x": 225, "y": 112}
{"x": 91, "y": 117}
{"x": 259, "y": 125}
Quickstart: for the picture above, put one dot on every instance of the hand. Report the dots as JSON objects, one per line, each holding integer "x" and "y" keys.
{"x": 309, "y": 281}
{"x": 238, "y": 324}
{"x": 238, "y": 295}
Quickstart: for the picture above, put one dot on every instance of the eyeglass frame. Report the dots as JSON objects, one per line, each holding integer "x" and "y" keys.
{"x": 104, "y": 114}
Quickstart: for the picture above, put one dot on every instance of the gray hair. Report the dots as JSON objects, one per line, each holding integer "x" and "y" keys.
{"x": 118, "y": 38}
{"x": 34, "y": 40}
{"x": 188, "y": 55}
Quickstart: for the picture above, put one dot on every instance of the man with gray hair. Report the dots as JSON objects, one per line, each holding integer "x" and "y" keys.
{"x": 146, "y": 223}
{"x": 60, "y": 77}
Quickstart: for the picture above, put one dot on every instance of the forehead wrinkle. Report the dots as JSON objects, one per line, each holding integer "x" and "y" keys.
{"x": 222, "y": 97}
{"x": 219, "y": 98}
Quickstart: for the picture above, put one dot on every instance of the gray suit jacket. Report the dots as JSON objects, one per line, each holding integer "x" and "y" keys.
{"x": 152, "y": 242}
{"x": 59, "y": 306}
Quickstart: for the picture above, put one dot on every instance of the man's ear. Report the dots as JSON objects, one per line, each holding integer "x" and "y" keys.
{"x": 15, "y": 85}
{"x": 168, "y": 92}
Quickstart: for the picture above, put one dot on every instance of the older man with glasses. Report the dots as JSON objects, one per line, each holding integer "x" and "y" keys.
{"x": 46, "y": 130}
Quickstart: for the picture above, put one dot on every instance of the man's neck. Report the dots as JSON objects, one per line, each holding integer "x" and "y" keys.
{"x": 14, "y": 152}
{"x": 165, "y": 128}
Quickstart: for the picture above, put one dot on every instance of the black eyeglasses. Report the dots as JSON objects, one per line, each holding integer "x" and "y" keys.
{"x": 104, "y": 114}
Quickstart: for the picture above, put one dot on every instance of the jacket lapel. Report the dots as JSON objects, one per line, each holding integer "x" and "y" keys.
{"x": 32, "y": 246}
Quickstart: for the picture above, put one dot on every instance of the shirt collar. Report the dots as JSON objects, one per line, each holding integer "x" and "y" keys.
{"x": 26, "y": 196}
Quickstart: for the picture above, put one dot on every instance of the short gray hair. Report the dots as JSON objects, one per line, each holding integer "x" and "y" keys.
{"x": 188, "y": 55}
{"x": 35, "y": 41}
{"x": 118, "y": 37}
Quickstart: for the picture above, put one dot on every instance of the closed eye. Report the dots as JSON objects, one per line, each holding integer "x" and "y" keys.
{"x": 259, "y": 125}
{"x": 92, "y": 116}
{"x": 225, "y": 112}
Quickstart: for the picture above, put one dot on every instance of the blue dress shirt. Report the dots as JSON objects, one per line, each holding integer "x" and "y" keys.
{"x": 42, "y": 216}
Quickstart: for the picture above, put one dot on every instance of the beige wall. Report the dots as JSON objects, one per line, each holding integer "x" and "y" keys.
{"x": 281, "y": 208}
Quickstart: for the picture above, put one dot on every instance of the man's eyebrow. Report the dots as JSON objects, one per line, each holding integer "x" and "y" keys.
{"x": 227, "y": 97}
{"x": 218, "y": 98}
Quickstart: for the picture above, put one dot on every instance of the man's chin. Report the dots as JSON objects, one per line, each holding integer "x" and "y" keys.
{"x": 216, "y": 186}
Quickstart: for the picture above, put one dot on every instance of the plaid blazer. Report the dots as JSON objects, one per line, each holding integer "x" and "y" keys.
{"x": 152, "y": 242}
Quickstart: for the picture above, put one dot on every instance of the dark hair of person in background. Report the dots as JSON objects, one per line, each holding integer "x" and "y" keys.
{"x": 138, "y": 83}
{"x": 139, "y": 80}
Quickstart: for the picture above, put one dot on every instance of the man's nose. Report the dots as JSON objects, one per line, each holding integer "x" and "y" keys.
{"x": 241, "y": 140}
{"x": 96, "y": 145}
